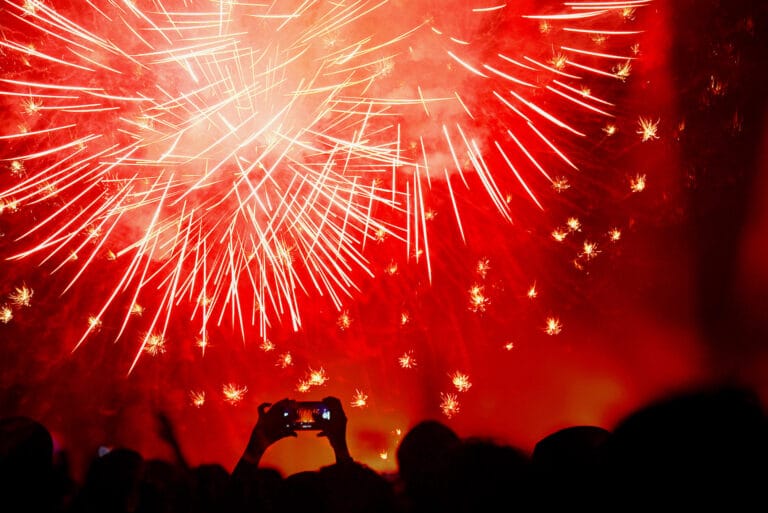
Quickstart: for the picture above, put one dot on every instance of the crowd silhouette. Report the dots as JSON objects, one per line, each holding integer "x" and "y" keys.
{"x": 701, "y": 448}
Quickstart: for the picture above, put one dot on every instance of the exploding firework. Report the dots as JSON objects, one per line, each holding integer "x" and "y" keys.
{"x": 237, "y": 157}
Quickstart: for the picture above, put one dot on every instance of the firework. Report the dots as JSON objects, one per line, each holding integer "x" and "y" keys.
{"x": 238, "y": 157}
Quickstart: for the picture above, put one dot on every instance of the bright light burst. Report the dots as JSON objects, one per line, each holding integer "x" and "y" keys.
{"x": 237, "y": 157}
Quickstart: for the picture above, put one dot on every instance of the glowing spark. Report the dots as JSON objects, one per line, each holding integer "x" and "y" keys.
{"x": 303, "y": 386}
{"x": 407, "y": 361}
{"x": 461, "y": 381}
{"x": 482, "y": 267}
{"x": 614, "y": 235}
{"x": 197, "y": 398}
{"x": 573, "y": 224}
{"x": 648, "y": 129}
{"x": 559, "y": 234}
{"x": 478, "y": 302}
{"x": 545, "y": 27}
{"x": 391, "y": 268}
{"x": 532, "y": 292}
{"x": 6, "y": 314}
{"x": 137, "y": 310}
{"x": 94, "y": 323}
{"x": 405, "y": 318}
{"x": 9, "y": 206}
{"x": 628, "y": 13}
{"x": 233, "y": 394}
{"x": 637, "y": 184}
{"x": 553, "y": 326}
{"x": 344, "y": 321}
{"x": 561, "y": 184}
{"x": 317, "y": 377}
{"x": 589, "y": 250}
{"x": 31, "y": 106}
{"x": 21, "y": 296}
{"x": 449, "y": 404}
{"x": 359, "y": 400}
{"x": 622, "y": 71}
{"x": 285, "y": 360}
{"x": 17, "y": 167}
{"x": 609, "y": 129}
{"x": 267, "y": 346}
{"x": 384, "y": 455}
{"x": 559, "y": 61}
{"x": 202, "y": 342}
{"x": 154, "y": 344}
{"x": 509, "y": 346}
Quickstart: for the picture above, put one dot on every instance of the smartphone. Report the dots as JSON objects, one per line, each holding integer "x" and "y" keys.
{"x": 303, "y": 415}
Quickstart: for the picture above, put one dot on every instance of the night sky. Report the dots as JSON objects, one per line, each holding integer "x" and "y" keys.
{"x": 673, "y": 296}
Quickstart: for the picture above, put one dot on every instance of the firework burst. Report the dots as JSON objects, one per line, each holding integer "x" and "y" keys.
{"x": 237, "y": 157}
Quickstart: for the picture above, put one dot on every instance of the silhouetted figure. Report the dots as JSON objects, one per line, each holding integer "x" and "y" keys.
{"x": 164, "y": 488}
{"x": 212, "y": 489}
{"x": 702, "y": 449}
{"x": 424, "y": 462}
{"x": 26, "y": 467}
{"x": 258, "y": 489}
{"x": 566, "y": 467}
{"x": 486, "y": 475}
{"x": 112, "y": 483}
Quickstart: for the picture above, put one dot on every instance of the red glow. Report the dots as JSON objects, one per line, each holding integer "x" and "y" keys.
{"x": 460, "y": 210}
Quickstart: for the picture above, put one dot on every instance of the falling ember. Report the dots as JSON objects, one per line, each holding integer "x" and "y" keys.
{"x": 317, "y": 377}
{"x": 561, "y": 184}
{"x": 359, "y": 400}
{"x": 559, "y": 235}
{"x": 94, "y": 323}
{"x": 405, "y": 318}
{"x": 478, "y": 302}
{"x": 482, "y": 267}
{"x": 649, "y": 129}
{"x": 449, "y": 404}
{"x": 154, "y": 344}
{"x": 202, "y": 343}
{"x": 384, "y": 455}
{"x": 509, "y": 346}
{"x": 589, "y": 250}
{"x": 137, "y": 309}
{"x": 21, "y": 296}
{"x": 461, "y": 381}
{"x": 285, "y": 360}
{"x": 198, "y": 398}
{"x": 614, "y": 235}
{"x": 553, "y": 326}
{"x": 637, "y": 184}
{"x": 303, "y": 386}
{"x": 574, "y": 224}
{"x": 233, "y": 394}
{"x": 622, "y": 71}
{"x": 267, "y": 346}
{"x": 532, "y": 292}
{"x": 344, "y": 321}
{"x": 609, "y": 129}
{"x": 407, "y": 361}
{"x": 6, "y": 314}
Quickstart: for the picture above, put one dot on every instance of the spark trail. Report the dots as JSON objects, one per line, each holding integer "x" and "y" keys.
{"x": 237, "y": 157}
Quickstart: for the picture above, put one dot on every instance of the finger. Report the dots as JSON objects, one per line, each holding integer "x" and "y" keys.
{"x": 263, "y": 407}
